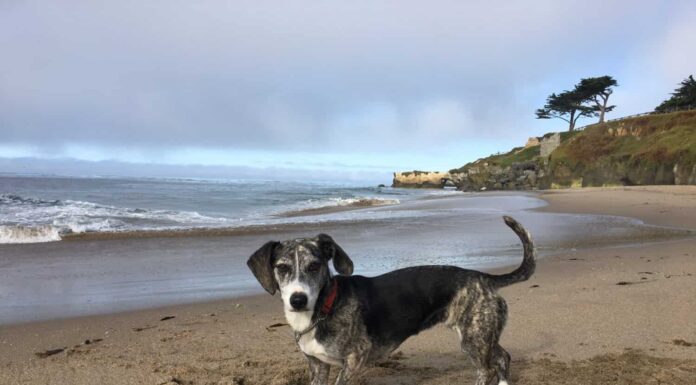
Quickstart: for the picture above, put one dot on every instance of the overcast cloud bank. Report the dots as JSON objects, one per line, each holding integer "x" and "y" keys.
{"x": 345, "y": 86}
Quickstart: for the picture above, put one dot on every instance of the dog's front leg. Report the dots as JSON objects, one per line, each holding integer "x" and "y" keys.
{"x": 318, "y": 371}
{"x": 352, "y": 366}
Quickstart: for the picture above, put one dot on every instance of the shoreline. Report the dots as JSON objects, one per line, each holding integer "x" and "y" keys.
{"x": 561, "y": 199}
{"x": 629, "y": 326}
{"x": 666, "y": 206}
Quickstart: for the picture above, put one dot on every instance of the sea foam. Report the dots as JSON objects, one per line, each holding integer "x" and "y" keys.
{"x": 23, "y": 234}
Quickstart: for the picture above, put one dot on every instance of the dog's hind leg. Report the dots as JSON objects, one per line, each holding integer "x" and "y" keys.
{"x": 479, "y": 318}
{"x": 318, "y": 371}
{"x": 500, "y": 360}
{"x": 475, "y": 343}
{"x": 481, "y": 360}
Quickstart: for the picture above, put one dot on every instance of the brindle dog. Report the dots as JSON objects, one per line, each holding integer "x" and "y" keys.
{"x": 349, "y": 321}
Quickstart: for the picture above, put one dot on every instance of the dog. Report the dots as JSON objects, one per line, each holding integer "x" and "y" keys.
{"x": 349, "y": 320}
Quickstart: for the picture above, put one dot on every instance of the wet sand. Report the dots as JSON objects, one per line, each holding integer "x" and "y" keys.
{"x": 599, "y": 315}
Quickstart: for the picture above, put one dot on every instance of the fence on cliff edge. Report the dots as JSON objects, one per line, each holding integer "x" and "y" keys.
{"x": 637, "y": 115}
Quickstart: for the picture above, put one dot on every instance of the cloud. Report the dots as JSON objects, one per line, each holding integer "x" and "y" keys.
{"x": 658, "y": 63}
{"x": 677, "y": 57}
{"x": 331, "y": 77}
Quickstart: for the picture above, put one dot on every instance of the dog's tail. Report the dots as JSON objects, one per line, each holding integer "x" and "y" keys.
{"x": 528, "y": 265}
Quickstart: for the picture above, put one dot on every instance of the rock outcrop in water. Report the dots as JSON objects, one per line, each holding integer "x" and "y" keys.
{"x": 420, "y": 179}
{"x": 652, "y": 149}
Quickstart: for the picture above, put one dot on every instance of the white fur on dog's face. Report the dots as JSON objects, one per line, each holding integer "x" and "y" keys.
{"x": 300, "y": 267}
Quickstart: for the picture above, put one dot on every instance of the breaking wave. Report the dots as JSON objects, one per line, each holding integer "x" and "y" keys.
{"x": 31, "y": 220}
{"x": 331, "y": 205}
{"x": 357, "y": 202}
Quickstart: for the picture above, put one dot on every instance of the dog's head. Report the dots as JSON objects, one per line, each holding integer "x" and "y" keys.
{"x": 299, "y": 268}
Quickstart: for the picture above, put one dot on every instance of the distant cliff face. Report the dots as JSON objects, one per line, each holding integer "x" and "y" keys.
{"x": 652, "y": 149}
{"x": 420, "y": 179}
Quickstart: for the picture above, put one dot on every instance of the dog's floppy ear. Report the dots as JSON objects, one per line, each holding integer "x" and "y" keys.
{"x": 332, "y": 250}
{"x": 260, "y": 264}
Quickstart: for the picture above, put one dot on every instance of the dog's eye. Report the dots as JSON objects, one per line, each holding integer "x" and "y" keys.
{"x": 314, "y": 267}
{"x": 283, "y": 269}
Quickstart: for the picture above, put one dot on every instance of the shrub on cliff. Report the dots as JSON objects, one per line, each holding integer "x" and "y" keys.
{"x": 683, "y": 98}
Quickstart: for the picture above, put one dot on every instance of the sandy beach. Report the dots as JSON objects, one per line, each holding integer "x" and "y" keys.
{"x": 596, "y": 315}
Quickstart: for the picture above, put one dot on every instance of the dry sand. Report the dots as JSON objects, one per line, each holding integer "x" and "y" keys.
{"x": 622, "y": 315}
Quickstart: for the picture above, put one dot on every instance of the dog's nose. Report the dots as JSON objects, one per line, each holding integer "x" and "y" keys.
{"x": 298, "y": 301}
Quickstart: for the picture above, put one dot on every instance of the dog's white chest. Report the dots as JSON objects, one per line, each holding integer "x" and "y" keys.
{"x": 311, "y": 347}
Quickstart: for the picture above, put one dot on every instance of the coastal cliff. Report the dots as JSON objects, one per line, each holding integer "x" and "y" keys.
{"x": 645, "y": 150}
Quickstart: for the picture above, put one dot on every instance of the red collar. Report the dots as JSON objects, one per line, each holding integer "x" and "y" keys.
{"x": 330, "y": 298}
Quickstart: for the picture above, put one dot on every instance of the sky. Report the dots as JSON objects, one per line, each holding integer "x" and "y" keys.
{"x": 329, "y": 89}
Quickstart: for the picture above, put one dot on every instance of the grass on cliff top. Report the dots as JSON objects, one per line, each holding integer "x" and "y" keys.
{"x": 516, "y": 155}
{"x": 651, "y": 138}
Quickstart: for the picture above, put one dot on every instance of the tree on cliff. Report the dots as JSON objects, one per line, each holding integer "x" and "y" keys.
{"x": 683, "y": 98}
{"x": 568, "y": 106}
{"x": 598, "y": 91}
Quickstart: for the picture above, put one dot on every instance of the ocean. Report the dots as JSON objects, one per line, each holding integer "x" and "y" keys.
{"x": 44, "y": 209}
{"x": 79, "y": 246}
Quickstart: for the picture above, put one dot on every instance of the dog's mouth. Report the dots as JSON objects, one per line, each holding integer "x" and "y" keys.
{"x": 293, "y": 310}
